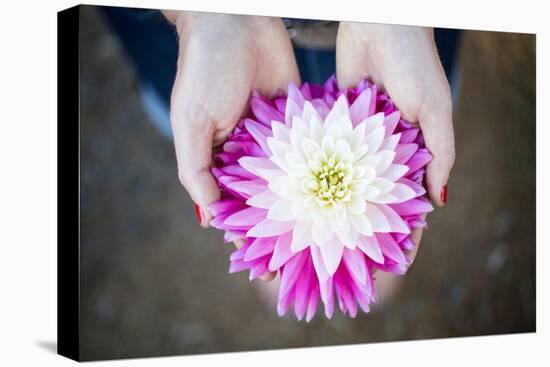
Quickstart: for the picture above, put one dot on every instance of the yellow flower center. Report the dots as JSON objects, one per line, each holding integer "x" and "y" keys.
{"x": 332, "y": 182}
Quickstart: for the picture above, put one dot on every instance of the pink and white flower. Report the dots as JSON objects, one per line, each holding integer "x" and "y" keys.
{"x": 325, "y": 186}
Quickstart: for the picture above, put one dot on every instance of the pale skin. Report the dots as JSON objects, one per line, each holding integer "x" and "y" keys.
{"x": 224, "y": 57}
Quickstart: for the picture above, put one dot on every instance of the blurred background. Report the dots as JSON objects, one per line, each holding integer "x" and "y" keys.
{"x": 154, "y": 283}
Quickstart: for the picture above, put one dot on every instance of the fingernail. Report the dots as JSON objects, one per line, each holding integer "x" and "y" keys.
{"x": 198, "y": 212}
{"x": 444, "y": 194}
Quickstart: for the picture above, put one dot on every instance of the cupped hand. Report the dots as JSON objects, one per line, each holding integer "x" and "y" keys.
{"x": 222, "y": 58}
{"x": 404, "y": 61}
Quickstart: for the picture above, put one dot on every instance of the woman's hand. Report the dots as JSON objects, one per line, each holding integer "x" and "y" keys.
{"x": 222, "y": 58}
{"x": 405, "y": 62}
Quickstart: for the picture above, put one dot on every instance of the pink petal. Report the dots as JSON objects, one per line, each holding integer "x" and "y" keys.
{"x": 320, "y": 269}
{"x": 303, "y": 285}
{"x": 391, "y": 122}
{"x": 264, "y": 112}
{"x": 281, "y": 251}
{"x": 261, "y": 167}
{"x": 403, "y": 192}
{"x": 408, "y": 136}
{"x": 294, "y": 94}
{"x": 268, "y": 228}
{"x": 417, "y": 188}
{"x": 290, "y": 272}
{"x": 403, "y": 152}
{"x": 415, "y": 206}
{"x": 248, "y": 188}
{"x": 284, "y": 303}
{"x": 257, "y": 271}
{"x": 355, "y": 262}
{"x": 246, "y": 217}
{"x": 259, "y": 247}
{"x": 390, "y": 248}
{"x": 312, "y": 304}
{"x": 260, "y": 133}
{"x": 397, "y": 224}
{"x": 419, "y": 160}
{"x": 359, "y": 110}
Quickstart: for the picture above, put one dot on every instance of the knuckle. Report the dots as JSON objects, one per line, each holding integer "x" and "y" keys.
{"x": 183, "y": 177}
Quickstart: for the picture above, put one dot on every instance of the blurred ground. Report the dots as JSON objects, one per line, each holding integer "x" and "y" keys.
{"x": 153, "y": 283}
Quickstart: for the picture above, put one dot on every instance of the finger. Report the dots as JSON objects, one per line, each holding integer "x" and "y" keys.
{"x": 435, "y": 119}
{"x": 193, "y": 143}
{"x": 416, "y": 236}
{"x": 239, "y": 243}
{"x": 277, "y": 60}
{"x": 351, "y": 63}
{"x": 268, "y": 277}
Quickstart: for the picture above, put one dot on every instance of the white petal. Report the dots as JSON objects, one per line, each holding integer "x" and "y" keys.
{"x": 369, "y": 245}
{"x": 385, "y": 162}
{"x": 371, "y": 192}
{"x": 375, "y": 138}
{"x": 268, "y": 228}
{"x": 343, "y": 231}
{"x": 332, "y": 255}
{"x": 357, "y": 204}
{"x": 278, "y": 147}
{"x": 354, "y": 239}
{"x": 301, "y": 237}
{"x": 280, "y": 211}
{"x": 321, "y": 232}
{"x": 317, "y": 131}
{"x": 261, "y": 167}
{"x": 383, "y": 184}
{"x": 280, "y": 161}
{"x": 339, "y": 109}
{"x": 292, "y": 109}
{"x": 309, "y": 112}
{"x": 374, "y": 122}
{"x": 397, "y": 224}
{"x": 361, "y": 224}
{"x": 403, "y": 193}
{"x": 358, "y": 136}
{"x": 280, "y": 131}
{"x": 296, "y": 138}
{"x": 360, "y": 152}
{"x": 296, "y": 162}
{"x": 370, "y": 160}
{"x": 336, "y": 131}
{"x": 309, "y": 147}
{"x": 390, "y": 142}
{"x": 346, "y": 126}
{"x": 328, "y": 144}
{"x": 264, "y": 200}
{"x": 377, "y": 219}
{"x": 342, "y": 151}
{"x": 385, "y": 199}
{"x": 300, "y": 125}
{"x": 300, "y": 211}
{"x": 395, "y": 172}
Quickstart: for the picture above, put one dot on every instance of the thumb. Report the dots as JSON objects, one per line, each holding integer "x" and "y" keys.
{"x": 193, "y": 143}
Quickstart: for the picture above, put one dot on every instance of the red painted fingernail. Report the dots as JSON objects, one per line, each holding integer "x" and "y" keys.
{"x": 444, "y": 194}
{"x": 198, "y": 212}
